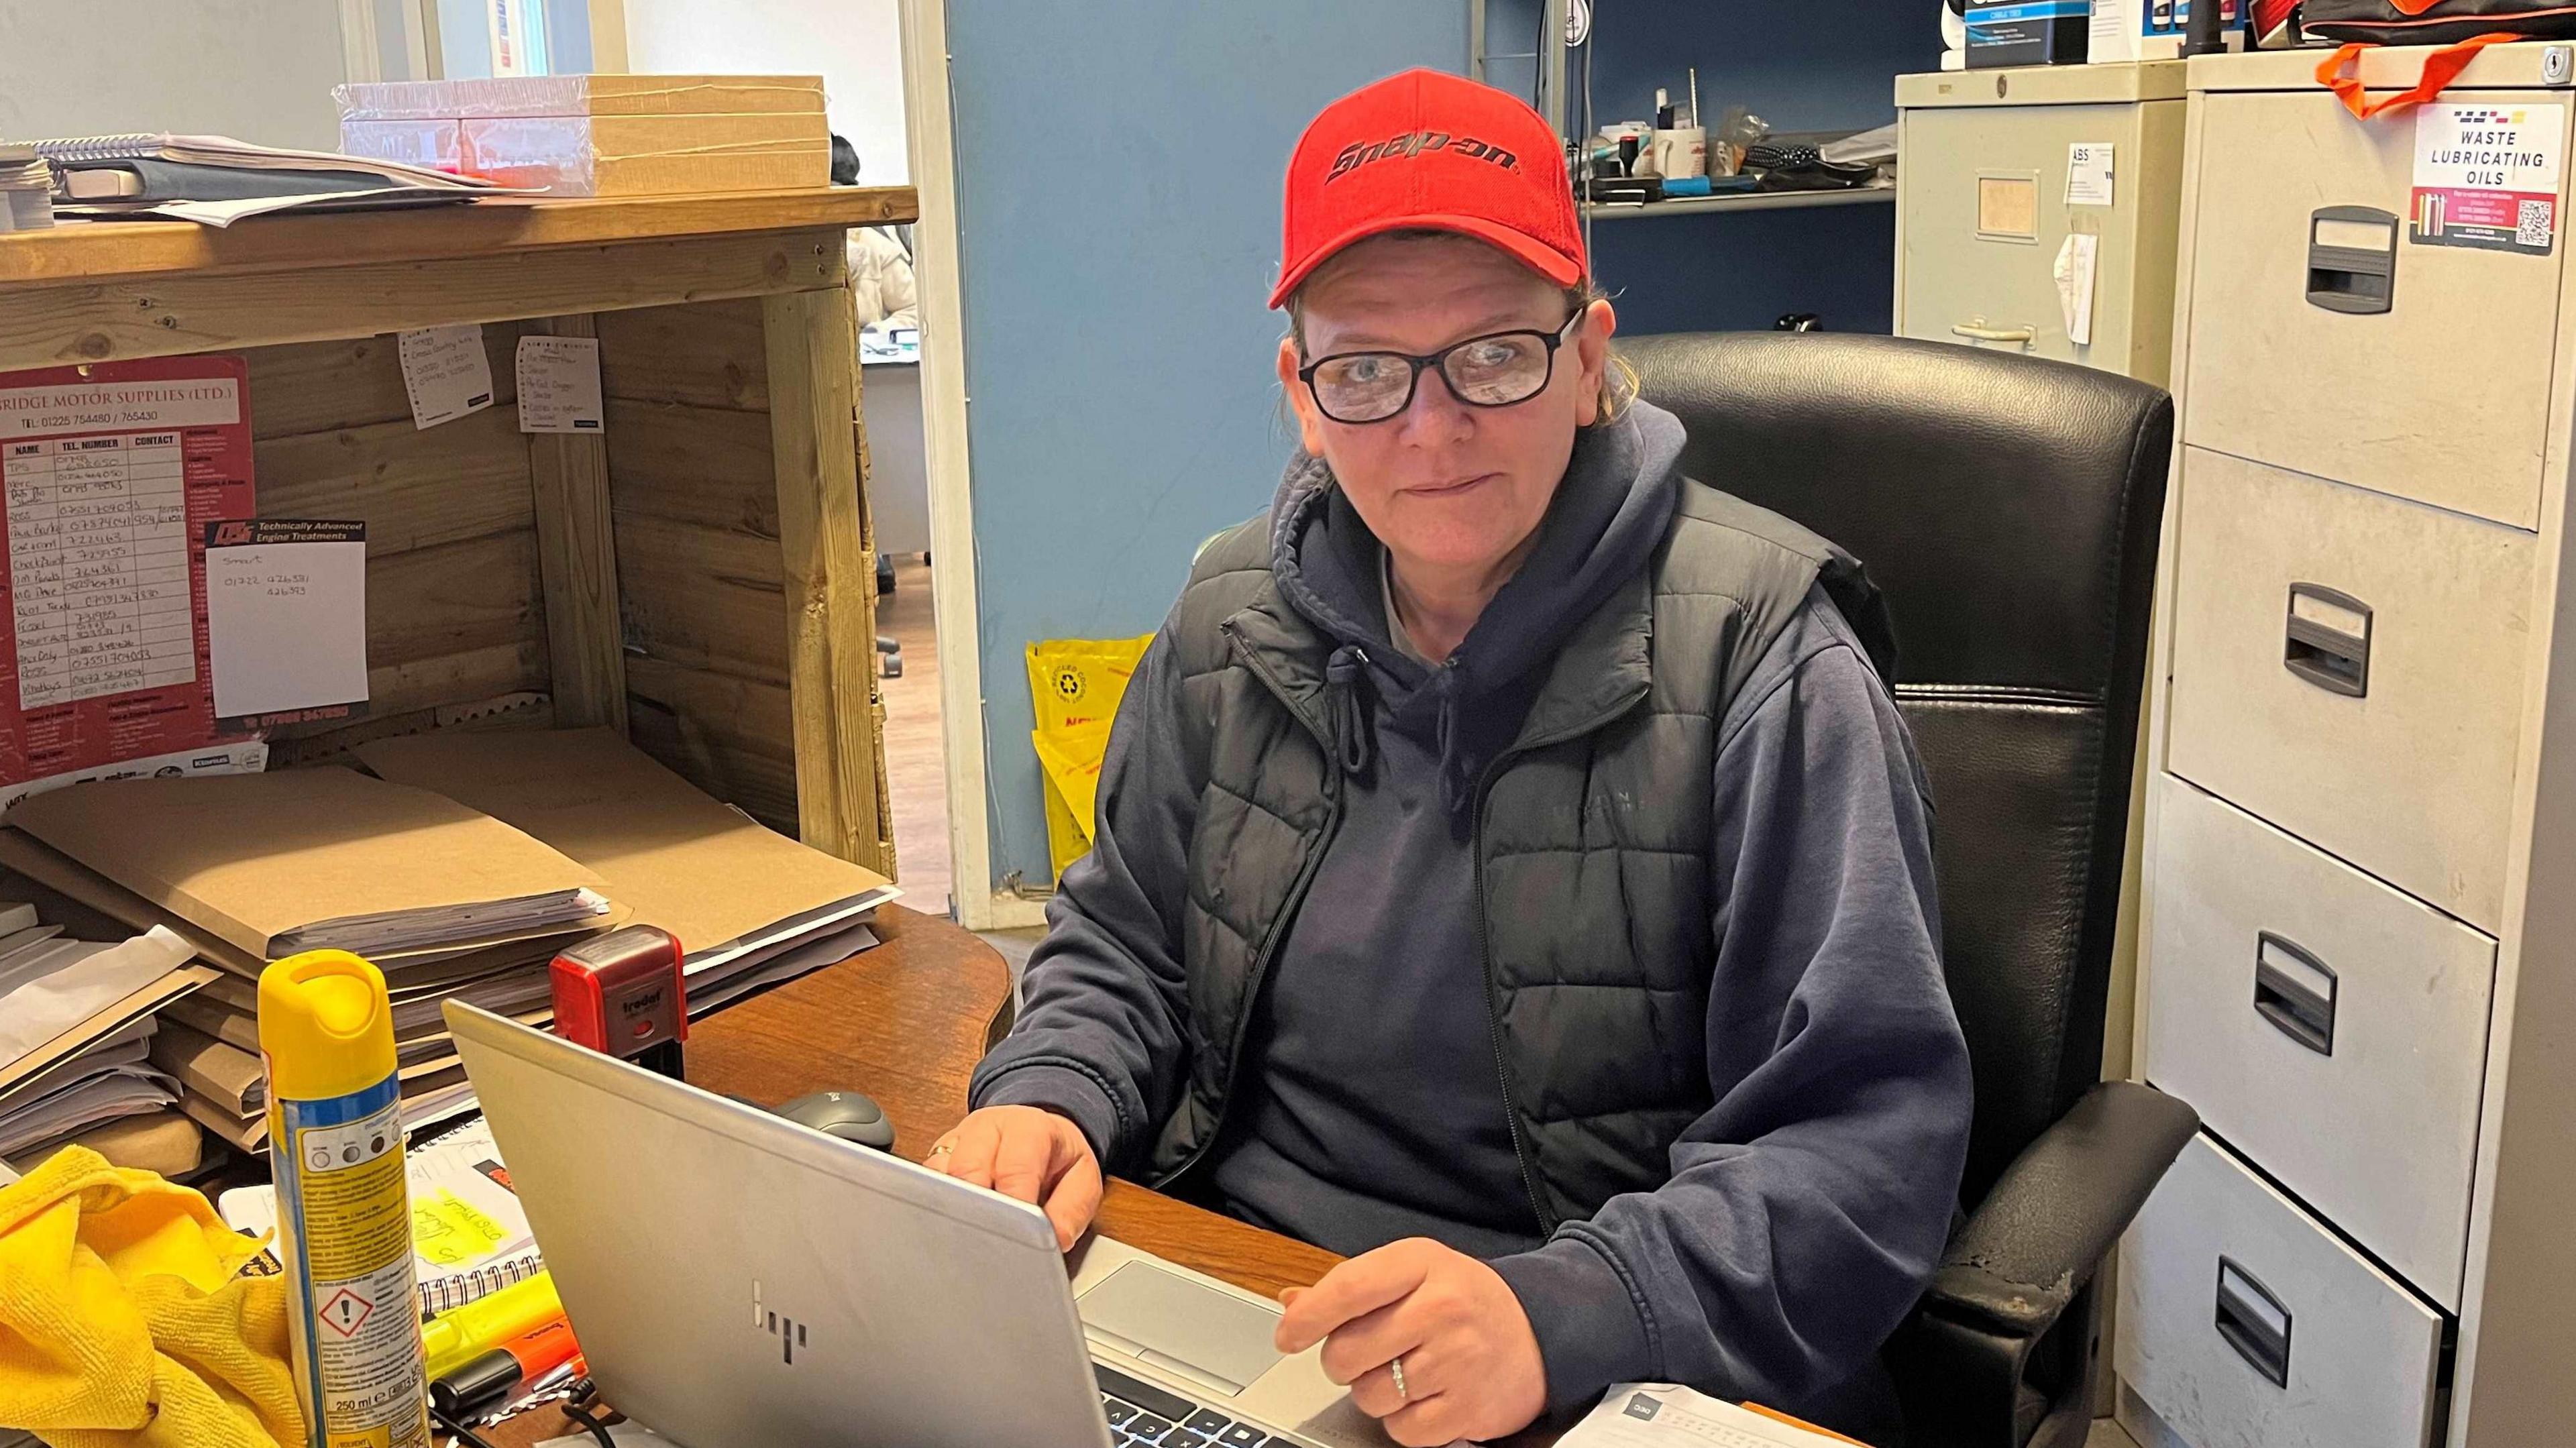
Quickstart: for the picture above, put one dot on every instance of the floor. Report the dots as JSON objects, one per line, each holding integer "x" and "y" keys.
{"x": 2107, "y": 1433}
{"x": 916, "y": 779}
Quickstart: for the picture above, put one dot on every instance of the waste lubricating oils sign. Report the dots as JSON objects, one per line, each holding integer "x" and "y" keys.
{"x": 2487, "y": 177}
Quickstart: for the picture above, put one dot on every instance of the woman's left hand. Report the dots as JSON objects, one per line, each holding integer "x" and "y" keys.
{"x": 1470, "y": 1363}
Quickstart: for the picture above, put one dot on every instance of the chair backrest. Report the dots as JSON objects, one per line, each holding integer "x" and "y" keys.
{"x": 2009, "y": 508}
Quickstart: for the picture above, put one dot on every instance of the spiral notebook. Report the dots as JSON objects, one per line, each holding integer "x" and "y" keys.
{"x": 468, "y": 1236}
{"x": 78, "y": 151}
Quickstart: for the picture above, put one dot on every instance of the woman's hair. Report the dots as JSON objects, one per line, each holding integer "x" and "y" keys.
{"x": 1618, "y": 379}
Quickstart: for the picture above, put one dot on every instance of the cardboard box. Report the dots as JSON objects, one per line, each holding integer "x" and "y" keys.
{"x": 651, "y": 155}
{"x": 2026, "y": 32}
{"x": 2133, "y": 30}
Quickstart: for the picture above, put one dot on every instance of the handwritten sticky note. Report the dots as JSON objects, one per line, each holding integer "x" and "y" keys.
{"x": 559, "y": 384}
{"x": 446, "y": 372}
{"x": 449, "y": 1231}
{"x": 286, "y": 620}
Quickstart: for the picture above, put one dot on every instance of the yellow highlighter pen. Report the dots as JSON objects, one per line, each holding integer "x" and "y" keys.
{"x": 460, "y": 1334}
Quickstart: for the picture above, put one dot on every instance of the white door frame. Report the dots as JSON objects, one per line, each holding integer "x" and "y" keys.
{"x": 361, "y": 40}
{"x": 931, "y": 139}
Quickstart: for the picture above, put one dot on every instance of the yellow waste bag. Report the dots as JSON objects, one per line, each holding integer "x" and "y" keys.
{"x": 1077, "y": 684}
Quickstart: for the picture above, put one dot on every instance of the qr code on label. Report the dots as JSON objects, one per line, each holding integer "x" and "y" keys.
{"x": 2532, "y": 224}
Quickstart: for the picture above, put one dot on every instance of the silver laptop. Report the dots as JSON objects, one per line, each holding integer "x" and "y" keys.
{"x": 735, "y": 1278}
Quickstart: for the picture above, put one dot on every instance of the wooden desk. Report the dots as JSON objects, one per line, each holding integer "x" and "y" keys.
{"x": 906, "y": 1023}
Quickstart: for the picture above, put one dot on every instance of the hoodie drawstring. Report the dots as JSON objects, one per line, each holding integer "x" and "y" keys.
{"x": 1350, "y": 699}
{"x": 1456, "y": 774}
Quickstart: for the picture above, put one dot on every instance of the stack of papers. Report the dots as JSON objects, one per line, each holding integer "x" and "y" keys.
{"x": 314, "y": 859}
{"x": 461, "y": 868}
{"x": 76, "y": 1020}
{"x": 750, "y": 906}
{"x": 216, "y": 180}
{"x": 245, "y": 869}
{"x": 107, "y": 1082}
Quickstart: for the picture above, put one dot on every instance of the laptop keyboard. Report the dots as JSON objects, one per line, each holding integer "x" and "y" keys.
{"x": 1140, "y": 1413}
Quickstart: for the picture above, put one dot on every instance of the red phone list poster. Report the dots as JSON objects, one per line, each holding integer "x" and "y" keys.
{"x": 112, "y": 471}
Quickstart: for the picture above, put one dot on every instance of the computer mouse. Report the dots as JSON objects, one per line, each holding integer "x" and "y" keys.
{"x": 844, "y": 1114}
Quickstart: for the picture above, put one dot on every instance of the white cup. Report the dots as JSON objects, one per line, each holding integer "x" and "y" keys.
{"x": 1681, "y": 152}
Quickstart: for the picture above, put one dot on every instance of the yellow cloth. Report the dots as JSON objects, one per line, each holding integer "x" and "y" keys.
{"x": 122, "y": 1324}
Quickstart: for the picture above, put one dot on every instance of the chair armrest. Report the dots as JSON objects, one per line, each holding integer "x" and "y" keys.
{"x": 2035, "y": 1240}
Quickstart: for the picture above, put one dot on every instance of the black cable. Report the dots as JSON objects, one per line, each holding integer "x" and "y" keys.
{"x": 457, "y": 1428}
{"x": 1538, "y": 63}
{"x": 575, "y": 1407}
{"x": 593, "y": 1424}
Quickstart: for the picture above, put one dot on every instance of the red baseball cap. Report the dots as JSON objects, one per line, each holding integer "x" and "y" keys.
{"x": 1432, "y": 151}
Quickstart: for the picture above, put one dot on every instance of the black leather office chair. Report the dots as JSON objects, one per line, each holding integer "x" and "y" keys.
{"x": 2009, "y": 508}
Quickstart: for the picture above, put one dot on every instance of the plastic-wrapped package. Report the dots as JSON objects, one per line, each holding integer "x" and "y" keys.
{"x": 1737, "y": 133}
{"x": 603, "y": 135}
{"x": 437, "y": 144}
{"x": 578, "y": 95}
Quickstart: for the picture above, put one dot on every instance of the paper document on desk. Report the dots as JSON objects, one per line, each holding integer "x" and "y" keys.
{"x": 62, "y": 983}
{"x": 318, "y": 858}
{"x": 725, "y": 885}
{"x": 1661, "y": 1415}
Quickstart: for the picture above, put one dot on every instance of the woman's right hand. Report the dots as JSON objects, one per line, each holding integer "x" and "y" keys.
{"x": 1029, "y": 1153}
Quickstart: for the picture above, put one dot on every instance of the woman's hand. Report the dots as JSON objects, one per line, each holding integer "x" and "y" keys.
{"x": 1032, "y": 1154}
{"x": 1470, "y": 1363}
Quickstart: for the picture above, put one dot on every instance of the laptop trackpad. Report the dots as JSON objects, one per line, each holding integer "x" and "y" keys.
{"x": 1212, "y": 1338}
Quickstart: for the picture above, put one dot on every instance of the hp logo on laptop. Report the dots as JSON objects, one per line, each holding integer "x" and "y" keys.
{"x": 789, "y": 1332}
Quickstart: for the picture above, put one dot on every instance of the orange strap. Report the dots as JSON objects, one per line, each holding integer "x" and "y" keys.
{"x": 2440, "y": 68}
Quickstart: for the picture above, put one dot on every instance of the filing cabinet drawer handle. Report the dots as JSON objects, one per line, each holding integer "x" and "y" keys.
{"x": 2352, "y": 259}
{"x": 2295, "y": 991}
{"x": 2254, "y": 1323}
{"x": 2328, "y": 640}
{"x": 1977, "y": 330}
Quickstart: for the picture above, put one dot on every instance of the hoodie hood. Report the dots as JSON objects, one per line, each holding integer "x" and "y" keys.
{"x": 1609, "y": 515}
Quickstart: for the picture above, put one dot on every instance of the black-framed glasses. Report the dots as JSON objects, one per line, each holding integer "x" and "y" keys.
{"x": 1494, "y": 370}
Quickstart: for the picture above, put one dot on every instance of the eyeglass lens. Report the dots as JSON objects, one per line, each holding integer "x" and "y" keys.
{"x": 1484, "y": 372}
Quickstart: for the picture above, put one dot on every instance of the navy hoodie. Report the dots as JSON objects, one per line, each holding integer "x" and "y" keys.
{"x": 1806, "y": 1207}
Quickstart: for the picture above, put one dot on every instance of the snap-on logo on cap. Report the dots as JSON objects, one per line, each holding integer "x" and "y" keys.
{"x": 1356, "y": 155}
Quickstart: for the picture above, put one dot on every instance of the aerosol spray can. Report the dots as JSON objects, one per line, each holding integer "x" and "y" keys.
{"x": 343, "y": 1205}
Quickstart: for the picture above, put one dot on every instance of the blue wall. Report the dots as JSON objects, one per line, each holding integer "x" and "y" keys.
{"x": 1118, "y": 203}
{"x": 1802, "y": 65}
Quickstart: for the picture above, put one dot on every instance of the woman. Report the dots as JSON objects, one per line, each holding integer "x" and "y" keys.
{"x": 1511, "y": 869}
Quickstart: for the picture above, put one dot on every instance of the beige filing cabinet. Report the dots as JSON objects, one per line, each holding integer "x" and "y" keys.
{"x": 2359, "y": 956}
{"x": 1983, "y": 211}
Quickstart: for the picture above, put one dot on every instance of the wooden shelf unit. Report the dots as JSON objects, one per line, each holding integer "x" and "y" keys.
{"x": 701, "y": 576}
